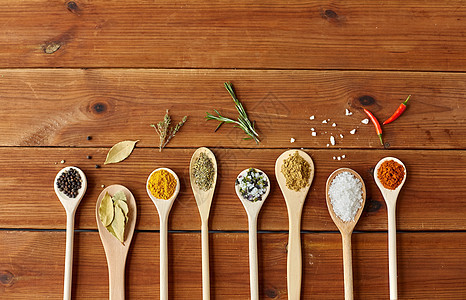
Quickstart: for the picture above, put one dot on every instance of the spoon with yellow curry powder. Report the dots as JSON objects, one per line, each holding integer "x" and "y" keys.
{"x": 294, "y": 170}
{"x": 162, "y": 187}
{"x": 390, "y": 176}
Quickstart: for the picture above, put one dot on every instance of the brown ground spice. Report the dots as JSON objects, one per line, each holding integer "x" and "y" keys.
{"x": 391, "y": 174}
{"x": 296, "y": 171}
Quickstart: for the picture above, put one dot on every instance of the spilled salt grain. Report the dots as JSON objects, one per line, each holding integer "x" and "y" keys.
{"x": 328, "y": 145}
{"x": 345, "y": 194}
{"x": 334, "y": 125}
{"x": 348, "y": 113}
{"x": 341, "y": 135}
{"x": 311, "y": 118}
{"x": 314, "y": 133}
{"x": 365, "y": 121}
{"x": 343, "y": 156}
{"x": 339, "y": 158}
{"x": 334, "y": 158}
{"x": 312, "y": 129}
{"x": 292, "y": 140}
{"x": 324, "y": 122}
{"x": 353, "y": 131}
{"x": 332, "y": 140}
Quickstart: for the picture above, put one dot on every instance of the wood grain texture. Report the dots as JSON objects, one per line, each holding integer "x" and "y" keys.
{"x": 62, "y": 107}
{"x": 396, "y": 35}
{"x": 431, "y": 199}
{"x": 433, "y": 270}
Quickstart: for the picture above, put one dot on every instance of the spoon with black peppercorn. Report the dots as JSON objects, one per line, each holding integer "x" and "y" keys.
{"x": 252, "y": 187}
{"x": 70, "y": 184}
{"x": 390, "y": 196}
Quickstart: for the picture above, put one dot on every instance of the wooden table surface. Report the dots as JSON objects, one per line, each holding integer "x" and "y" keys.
{"x": 109, "y": 69}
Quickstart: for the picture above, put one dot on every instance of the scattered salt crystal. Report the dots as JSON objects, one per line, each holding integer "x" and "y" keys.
{"x": 324, "y": 122}
{"x": 312, "y": 129}
{"x": 314, "y": 133}
{"x": 332, "y": 140}
{"x": 365, "y": 121}
{"x": 328, "y": 120}
{"x": 334, "y": 125}
{"x": 334, "y": 158}
{"x": 292, "y": 140}
{"x": 328, "y": 145}
{"x": 63, "y": 161}
{"x": 341, "y": 135}
{"x": 348, "y": 113}
{"x": 339, "y": 158}
{"x": 345, "y": 194}
{"x": 343, "y": 156}
{"x": 353, "y": 131}
{"x": 102, "y": 186}
{"x": 311, "y": 118}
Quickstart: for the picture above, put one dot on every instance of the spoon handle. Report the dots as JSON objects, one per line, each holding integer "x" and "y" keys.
{"x": 68, "y": 255}
{"x": 347, "y": 266}
{"x": 392, "y": 251}
{"x": 253, "y": 264}
{"x": 116, "y": 277}
{"x": 163, "y": 258}
{"x": 205, "y": 260}
{"x": 294, "y": 259}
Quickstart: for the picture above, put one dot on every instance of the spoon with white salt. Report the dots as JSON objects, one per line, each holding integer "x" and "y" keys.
{"x": 163, "y": 208}
{"x": 390, "y": 197}
{"x": 252, "y": 202}
{"x": 346, "y": 196}
{"x": 70, "y": 205}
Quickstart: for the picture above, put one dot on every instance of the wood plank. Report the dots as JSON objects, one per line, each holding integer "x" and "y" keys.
{"x": 432, "y": 198}
{"x": 430, "y": 266}
{"x": 396, "y": 35}
{"x": 62, "y": 107}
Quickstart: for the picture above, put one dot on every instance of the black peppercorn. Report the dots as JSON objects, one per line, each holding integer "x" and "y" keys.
{"x": 89, "y": 157}
{"x": 97, "y": 166}
{"x": 89, "y": 137}
{"x": 69, "y": 183}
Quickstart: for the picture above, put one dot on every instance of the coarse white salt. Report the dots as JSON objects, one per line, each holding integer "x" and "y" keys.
{"x": 334, "y": 158}
{"x": 353, "y": 131}
{"x": 312, "y": 129}
{"x": 365, "y": 121}
{"x": 339, "y": 158}
{"x": 292, "y": 140}
{"x": 343, "y": 156}
{"x": 314, "y": 133}
{"x": 341, "y": 135}
{"x": 311, "y": 117}
{"x": 332, "y": 140}
{"x": 348, "y": 113}
{"x": 345, "y": 194}
{"x": 328, "y": 145}
{"x": 334, "y": 124}
{"x": 328, "y": 120}
{"x": 324, "y": 122}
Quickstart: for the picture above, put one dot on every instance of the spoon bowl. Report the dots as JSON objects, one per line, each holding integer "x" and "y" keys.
{"x": 294, "y": 203}
{"x": 70, "y": 205}
{"x": 346, "y": 229}
{"x": 204, "y": 202}
{"x": 390, "y": 197}
{"x": 115, "y": 251}
{"x": 163, "y": 208}
{"x": 252, "y": 210}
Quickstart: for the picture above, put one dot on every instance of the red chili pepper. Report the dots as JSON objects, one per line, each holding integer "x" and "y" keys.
{"x": 376, "y": 123}
{"x": 398, "y": 112}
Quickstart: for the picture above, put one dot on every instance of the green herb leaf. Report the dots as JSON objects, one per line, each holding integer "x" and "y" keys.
{"x": 106, "y": 210}
{"x": 120, "y": 151}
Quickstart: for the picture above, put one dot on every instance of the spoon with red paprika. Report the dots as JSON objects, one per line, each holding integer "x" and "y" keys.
{"x": 398, "y": 112}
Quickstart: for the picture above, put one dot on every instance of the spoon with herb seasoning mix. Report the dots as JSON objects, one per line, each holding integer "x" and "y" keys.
{"x": 346, "y": 196}
{"x": 390, "y": 176}
{"x": 116, "y": 214}
{"x": 163, "y": 185}
{"x": 294, "y": 170}
{"x": 252, "y": 187}
{"x": 203, "y": 177}
{"x": 70, "y": 184}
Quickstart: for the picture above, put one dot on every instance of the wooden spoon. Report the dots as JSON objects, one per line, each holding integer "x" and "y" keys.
{"x": 204, "y": 201}
{"x": 115, "y": 251}
{"x": 70, "y": 205}
{"x": 163, "y": 208}
{"x": 253, "y": 209}
{"x": 294, "y": 204}
{"x": 390, "y": 197}
{"x": 346, "y": 229}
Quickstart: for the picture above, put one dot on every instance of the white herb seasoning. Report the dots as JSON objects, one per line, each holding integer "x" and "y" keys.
{"x": 345, "y": 194}
{"x": 252, "y": 185}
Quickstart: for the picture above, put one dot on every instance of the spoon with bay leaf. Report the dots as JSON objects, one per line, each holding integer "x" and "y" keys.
{"x": 119, "y": 212}
{"x": 163, "y": 208}
{"x": 70, "y": 197}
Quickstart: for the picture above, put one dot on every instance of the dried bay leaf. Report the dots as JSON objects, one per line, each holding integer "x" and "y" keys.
{"x": 119, "y": 196}
{"x": 120, "y": 151}
{"x": 118, "y": 224}
{"x": 124, "y": 207}
{"x": 106, "y": 210}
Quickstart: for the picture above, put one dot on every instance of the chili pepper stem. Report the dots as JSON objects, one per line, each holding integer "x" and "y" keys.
{"x": 406, "y": 101}
{"x": 380, "y": 137}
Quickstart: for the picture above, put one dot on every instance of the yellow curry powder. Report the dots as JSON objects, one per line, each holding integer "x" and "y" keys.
{"x": 162, "y": 184}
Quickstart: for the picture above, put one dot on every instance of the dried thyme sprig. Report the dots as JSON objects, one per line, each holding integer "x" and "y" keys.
{"x": 243, "y": 120}
{"x": 165, "y": 132}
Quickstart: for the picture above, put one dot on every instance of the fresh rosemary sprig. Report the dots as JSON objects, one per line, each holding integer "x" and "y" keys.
{"x": 165, "y": 132}
{"x": 243, "y": 120}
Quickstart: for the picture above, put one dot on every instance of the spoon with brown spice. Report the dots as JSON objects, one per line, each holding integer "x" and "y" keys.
{"x": 294, "y": 170}
{"x": 390, "y": 176}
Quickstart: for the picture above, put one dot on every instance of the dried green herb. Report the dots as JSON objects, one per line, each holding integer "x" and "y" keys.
{"x": 165, "y": 132}
{"x": 120, "y": 151}
{"x": 243, "y": 120}
{"x": 296, "y": 171}
{"x": 204, "y": 172}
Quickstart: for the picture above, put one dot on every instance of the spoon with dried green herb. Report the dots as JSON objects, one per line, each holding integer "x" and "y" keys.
{"x": 116, "y": 214}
